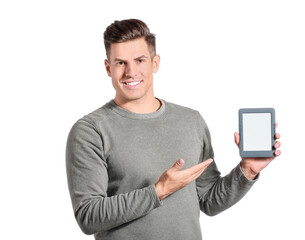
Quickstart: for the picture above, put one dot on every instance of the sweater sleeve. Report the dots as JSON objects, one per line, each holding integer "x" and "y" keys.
{"x": 216, "y": 193}
{"x": 87, "y": 176}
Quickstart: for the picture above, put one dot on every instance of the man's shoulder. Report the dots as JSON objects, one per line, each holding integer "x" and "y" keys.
{"x": 96, "y": 116}
{"x": 182, "y": 110}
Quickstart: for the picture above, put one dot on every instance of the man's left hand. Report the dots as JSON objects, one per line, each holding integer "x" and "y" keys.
{"x": 252, "y": 166}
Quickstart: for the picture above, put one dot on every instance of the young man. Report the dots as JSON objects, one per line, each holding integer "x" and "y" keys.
{"x": 140, "y": 167}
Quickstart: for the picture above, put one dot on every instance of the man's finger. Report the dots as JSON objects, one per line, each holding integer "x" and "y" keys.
{"x": 197, "y": 168}
{"x": 277, "y": 153}
{"x": 197, "y": 174}
{"x": 178, "y": 164}
{"x": 277, "y": 136}
{"x": 205, "y": 164}
{"x": 236, "y": 138}
{"x": 277, "y": 144}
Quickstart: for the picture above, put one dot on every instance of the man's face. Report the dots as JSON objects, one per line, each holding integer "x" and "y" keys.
{"x": 131, "y": 68}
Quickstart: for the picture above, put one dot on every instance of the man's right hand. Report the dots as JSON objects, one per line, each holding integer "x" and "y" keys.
{"x": 172, "y": 179}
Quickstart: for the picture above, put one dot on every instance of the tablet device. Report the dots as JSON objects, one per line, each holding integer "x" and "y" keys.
{"x": 257, "y": 132}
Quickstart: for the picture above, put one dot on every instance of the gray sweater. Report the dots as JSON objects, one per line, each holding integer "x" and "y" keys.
{"x": 113, "y": 159}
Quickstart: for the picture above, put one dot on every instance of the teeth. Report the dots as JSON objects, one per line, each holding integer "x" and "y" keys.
{"x": 132, "y": 83}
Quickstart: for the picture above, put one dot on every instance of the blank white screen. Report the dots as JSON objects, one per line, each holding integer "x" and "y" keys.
{"x": 257, "y": 131}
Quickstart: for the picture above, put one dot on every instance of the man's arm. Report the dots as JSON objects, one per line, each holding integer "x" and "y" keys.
{"x": 217, "y": 193}
{"x": 88, "y": 181}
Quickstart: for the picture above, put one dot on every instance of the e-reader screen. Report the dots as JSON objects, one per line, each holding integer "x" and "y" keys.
{"x": 256, "y": 132}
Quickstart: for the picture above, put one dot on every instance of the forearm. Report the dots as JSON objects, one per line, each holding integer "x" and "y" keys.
{"x": 225, "y": 192}
{"x": 99, "y": 213}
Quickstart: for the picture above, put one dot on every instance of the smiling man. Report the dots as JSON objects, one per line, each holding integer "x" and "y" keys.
{"x": 140, "y": 167}
{"x": 131, "y": 66}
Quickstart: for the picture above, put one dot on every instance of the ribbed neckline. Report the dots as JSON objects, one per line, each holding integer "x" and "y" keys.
{"x": 123, "y": 112}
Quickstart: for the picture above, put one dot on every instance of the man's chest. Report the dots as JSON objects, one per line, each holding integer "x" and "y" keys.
{"x": 137, "y": 154}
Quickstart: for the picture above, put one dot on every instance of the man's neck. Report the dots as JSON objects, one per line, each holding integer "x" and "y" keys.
{"x": 140, "y": 105}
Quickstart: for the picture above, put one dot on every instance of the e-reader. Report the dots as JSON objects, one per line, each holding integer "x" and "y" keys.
{"x": 257, "y": 132}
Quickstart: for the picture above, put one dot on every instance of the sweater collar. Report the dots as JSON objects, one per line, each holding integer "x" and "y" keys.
{"x": 125, "y": 113}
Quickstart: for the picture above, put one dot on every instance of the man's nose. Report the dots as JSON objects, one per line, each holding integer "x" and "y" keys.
{"x": 131, "y": 70}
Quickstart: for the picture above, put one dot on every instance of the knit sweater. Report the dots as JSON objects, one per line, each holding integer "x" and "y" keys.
{"x": 114, "y": 157}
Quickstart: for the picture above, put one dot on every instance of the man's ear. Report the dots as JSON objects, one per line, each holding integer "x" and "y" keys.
{"x": 107, "y": 65}
{"x": 156, "y": 63}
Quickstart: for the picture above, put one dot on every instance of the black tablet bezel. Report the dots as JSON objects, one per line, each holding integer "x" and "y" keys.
{"x": 256, "y": 154}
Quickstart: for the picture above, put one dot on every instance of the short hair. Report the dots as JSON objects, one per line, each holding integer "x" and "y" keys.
{"x": 126, "y": 30}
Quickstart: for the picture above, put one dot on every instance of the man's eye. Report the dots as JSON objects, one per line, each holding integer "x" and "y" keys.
{"x": 121, "y": 63}
{"x": 141, "y": 60}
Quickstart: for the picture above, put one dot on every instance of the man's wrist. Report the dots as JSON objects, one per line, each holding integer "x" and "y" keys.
{"x": 159, "y": 191}
{"x": 251, "y": 175}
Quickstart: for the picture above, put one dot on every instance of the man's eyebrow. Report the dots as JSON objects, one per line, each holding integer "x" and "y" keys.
{"x": 143, "y": 56}
{"x": 119, "y": 60}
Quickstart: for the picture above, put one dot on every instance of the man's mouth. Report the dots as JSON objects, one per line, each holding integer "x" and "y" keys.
{"x": 132, "y": 83}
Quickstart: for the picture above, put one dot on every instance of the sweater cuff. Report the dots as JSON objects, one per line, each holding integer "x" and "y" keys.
{"x": 244, "y": 178}
{"x": 154, "y": 196}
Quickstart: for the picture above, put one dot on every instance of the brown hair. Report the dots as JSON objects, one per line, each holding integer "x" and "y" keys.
{"x": 129, "y": 29}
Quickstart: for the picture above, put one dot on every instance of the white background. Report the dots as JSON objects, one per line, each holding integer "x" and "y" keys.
{"x": 216, "y": 57}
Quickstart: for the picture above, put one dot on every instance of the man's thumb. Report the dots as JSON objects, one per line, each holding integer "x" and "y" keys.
{"x": 178, "y": 164}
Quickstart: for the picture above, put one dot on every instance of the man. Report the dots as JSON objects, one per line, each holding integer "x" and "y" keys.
{"x": 140, "y": 167}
